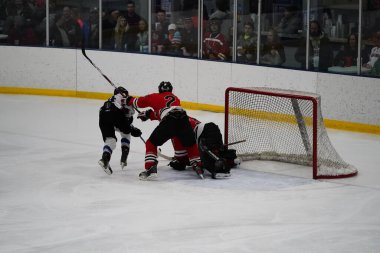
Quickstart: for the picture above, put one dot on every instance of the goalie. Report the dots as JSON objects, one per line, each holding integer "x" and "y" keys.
{"x": 215, "y": 156}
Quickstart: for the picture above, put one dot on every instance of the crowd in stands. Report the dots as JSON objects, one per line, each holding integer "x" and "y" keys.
{"x": 24, "y": 23}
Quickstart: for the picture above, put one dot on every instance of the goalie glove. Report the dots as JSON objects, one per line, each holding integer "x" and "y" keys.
{"x": 145, "y": 115}
{"x": 135, "y": 132}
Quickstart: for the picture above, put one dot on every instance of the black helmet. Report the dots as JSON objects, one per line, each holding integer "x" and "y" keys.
{"x": 121, "y": 90}
{"x": 165, "y": 87}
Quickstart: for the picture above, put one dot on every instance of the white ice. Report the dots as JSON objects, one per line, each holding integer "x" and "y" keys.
{"x": 55, "y": 198}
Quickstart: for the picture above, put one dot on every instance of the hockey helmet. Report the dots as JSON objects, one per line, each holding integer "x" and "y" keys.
{"x": 121, "y": 90}
{"x": 165, "y": 87}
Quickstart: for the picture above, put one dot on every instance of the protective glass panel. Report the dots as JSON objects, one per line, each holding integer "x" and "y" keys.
{"x": 247, "y": 27}
{"x": 124, "y": 25}
{"x": 22, "y": 23}
{"x": 371, "y": 39}
{"x": 283, "y": 34}
{"x": 175, "y": 28}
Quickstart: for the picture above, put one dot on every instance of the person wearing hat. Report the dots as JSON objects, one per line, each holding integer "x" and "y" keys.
{"x": 173, "y": 42}
{"x": 215, "y": 45}
{"x": 374, "y": 56}
{"x": 169, "y": 36}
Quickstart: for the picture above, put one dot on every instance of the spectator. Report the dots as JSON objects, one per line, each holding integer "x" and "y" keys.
{"x": 120, "y": 34}
{"x": 66, "y": 32}
{"x": 16, "y": 8}
{"x": 172, "y": 39}
{"x": 215, "y": 45}
{"x": 348, "y": 54}
{"x": 22, "y": 33}
{"x": 320, "y": 51}
{"x": 162, "y": 23}
{"x": 247, "y": 45}
{"x": 290, "y": 23}
{"x": 175, "y": 46}
{"x": 142, "y": 37}
{"x": 133, "y": 22}
{"x": 76, "y": 14}
{"x": 223, "y": 14}
{"x": 189, "y": 38}
{"x": 157, "y": 42}
{"x": 327, "y": 21}
{"x": 374, "y": 57}
{"x": 222, "y": 10}
{"x": 273, "y": 51}
{"x": 108, "y": 25}
{"x": 91, "y": 29}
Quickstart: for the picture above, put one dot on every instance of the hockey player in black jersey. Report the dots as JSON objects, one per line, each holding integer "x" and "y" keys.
{"x": 215, "y": 156}
{"x": 116, "y": 115}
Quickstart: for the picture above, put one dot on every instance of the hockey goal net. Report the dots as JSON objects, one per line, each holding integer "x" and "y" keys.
{"x": 282, "y": 125}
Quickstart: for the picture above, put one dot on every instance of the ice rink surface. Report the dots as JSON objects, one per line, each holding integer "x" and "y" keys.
{"x": 54, "y": 197}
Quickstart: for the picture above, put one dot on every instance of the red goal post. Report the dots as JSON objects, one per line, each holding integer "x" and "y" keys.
{"x": 282, "y": 125}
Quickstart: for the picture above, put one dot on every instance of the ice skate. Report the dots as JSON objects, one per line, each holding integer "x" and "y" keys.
{"x": 177, "y": 165}
{"x": 104, "y": 163}
{"x": 220, "y": 175}
{"x": 149, "y": 174}
{"x": 124, "y": 156}
{"x": 199, "y": 171}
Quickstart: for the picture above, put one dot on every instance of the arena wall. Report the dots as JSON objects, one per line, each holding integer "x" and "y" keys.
{"x": 348, "y": 102}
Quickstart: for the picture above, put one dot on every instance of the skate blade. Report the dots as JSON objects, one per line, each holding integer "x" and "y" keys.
{"x": 201, "y": 176}
{"x": 151, "y": 177}
{"x": 107, "y": 170}
{"x": 222, "y": 175}
{"x": 123, "y": 165}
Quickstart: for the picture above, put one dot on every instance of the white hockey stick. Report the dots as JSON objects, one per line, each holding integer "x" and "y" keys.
{"x": 159, "y": 152}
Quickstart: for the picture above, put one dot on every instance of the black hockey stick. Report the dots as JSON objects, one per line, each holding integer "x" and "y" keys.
{"x": 233, "y": 143}
{"x": 93, "y": 64}
{"x": 109, "y": 80}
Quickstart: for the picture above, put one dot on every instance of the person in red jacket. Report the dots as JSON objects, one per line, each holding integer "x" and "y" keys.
{"x": 174, "y": 122}
{"x": 215, "y": 45}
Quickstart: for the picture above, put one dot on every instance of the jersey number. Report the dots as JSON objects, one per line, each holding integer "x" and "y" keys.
{"x": 170, "y": 100}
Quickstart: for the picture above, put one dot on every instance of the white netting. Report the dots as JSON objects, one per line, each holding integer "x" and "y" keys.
{"x": 279, "y": 127}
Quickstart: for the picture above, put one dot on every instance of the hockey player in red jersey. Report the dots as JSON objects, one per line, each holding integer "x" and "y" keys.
{"x": 174, "y": 122}
{"x": 215, "y": 157}
{"x": 115, "y": 115}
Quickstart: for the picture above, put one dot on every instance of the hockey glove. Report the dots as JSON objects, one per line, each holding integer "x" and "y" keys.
{"x": 135, "y": 132}
{"x": 128, "y": 99}
{"x": 145, "y": 115}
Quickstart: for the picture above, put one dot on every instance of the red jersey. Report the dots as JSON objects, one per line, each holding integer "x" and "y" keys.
{"x": 193, "y": 122}
{"x": 216, "y": 46}
{"x": 161, "y": 103}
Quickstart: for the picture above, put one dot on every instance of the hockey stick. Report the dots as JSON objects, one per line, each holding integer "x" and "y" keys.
{"x": 233, "y": 143}
{"x": 93, "y": 64}
{"x": 159, "y": 152}
{"x": 109, "y": 80}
